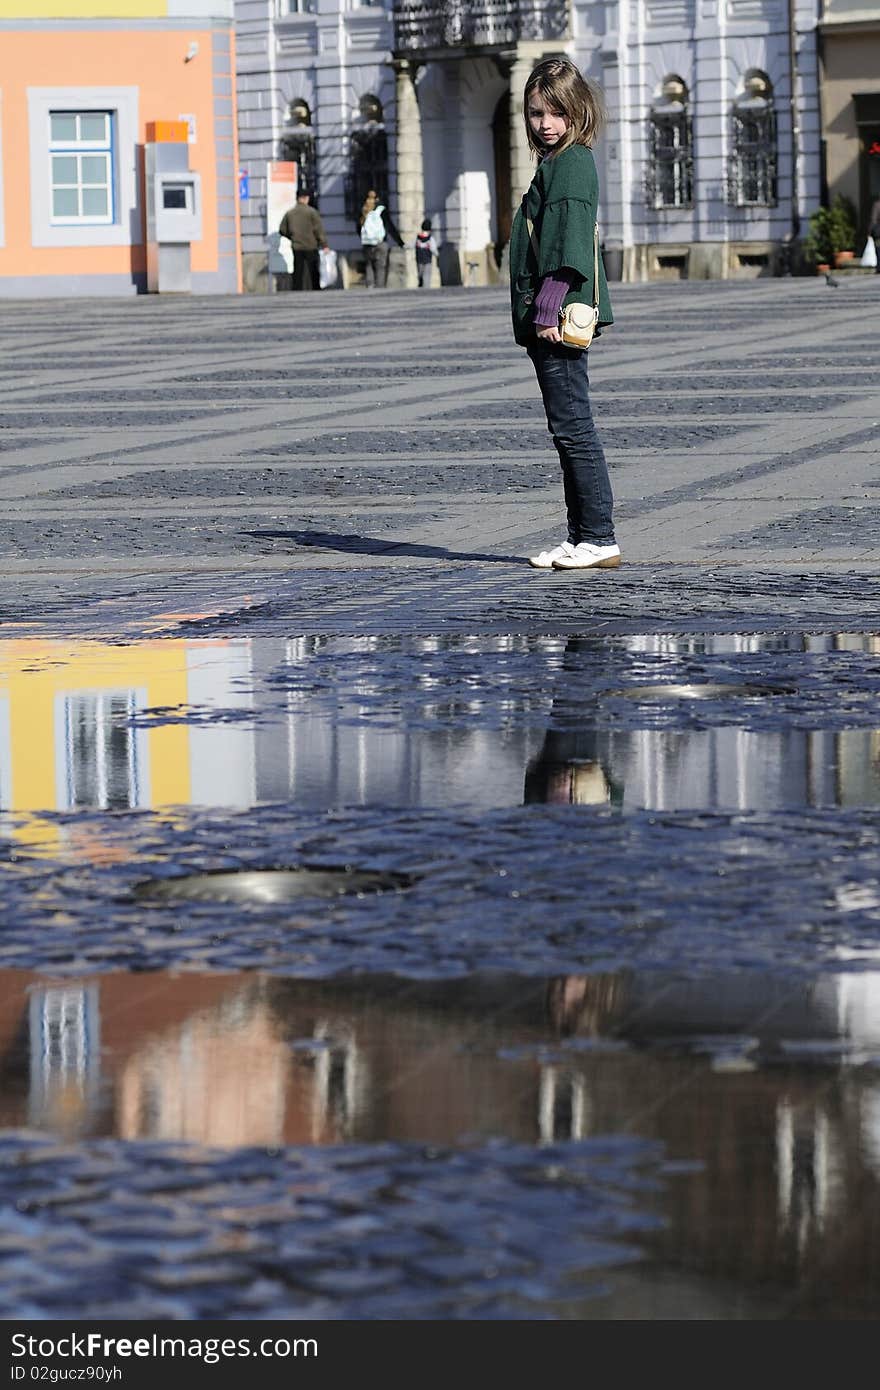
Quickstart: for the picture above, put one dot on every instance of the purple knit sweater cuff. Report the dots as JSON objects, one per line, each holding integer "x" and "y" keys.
{"x": 548, "y": 300}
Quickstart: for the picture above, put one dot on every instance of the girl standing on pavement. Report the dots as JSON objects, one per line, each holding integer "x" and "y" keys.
{"x": 563, "y": 114}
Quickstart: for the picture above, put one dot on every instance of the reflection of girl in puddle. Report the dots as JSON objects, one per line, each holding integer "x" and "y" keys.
{"x": 586, "y": 1004}
{"x": 568, "y": 771}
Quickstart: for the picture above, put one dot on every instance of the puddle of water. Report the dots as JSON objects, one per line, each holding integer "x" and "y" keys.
{"x": 661, "y": 723}
{"x": 764, "y": 1094}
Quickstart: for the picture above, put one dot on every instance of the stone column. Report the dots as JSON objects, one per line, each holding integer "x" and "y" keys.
{"x": 522, "y": 162}
{"x": 410, "y": 170}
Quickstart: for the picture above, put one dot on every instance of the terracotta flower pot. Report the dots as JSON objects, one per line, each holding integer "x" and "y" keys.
{"x": 822, "y": 268}
{"x": 843, "y": 258}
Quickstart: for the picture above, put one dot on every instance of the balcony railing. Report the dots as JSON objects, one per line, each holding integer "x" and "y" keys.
{"x": 432, "y": 24}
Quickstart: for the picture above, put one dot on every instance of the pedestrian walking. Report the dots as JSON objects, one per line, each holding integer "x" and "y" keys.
{"x": 426, "y": 251}
{"x": 376, "y": 227}
{"x": 551, "y": 266}
{"x": 304, "y": 229}
{"x": 874, "y": 232}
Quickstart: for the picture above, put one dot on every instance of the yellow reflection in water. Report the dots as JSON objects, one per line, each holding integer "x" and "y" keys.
{"x": 72, "y": 734}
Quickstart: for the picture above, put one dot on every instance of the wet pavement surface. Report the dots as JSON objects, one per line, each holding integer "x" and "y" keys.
{"x": 390, "y": 931}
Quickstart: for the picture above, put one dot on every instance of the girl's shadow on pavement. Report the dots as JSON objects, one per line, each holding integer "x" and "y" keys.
{"x": 367, "y": 545}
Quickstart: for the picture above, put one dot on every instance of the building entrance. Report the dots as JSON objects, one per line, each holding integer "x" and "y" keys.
{"x": 868, "y": 123}
{"x": 501, "y": 152}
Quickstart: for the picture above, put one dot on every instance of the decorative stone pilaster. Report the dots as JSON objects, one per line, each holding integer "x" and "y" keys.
{"x": 410, "y": 169}
{"x": 522, "y": 163}
{"x": 524, "y": 58}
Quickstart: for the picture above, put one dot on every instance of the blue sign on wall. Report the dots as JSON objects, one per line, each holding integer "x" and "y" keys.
{"x": 244, "y": 185}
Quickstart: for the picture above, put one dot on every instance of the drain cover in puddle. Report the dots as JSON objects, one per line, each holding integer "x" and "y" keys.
{"x": 272, "y": 885}
{"x": 703, "y": 690}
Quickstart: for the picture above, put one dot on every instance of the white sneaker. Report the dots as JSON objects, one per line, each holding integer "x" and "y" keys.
{"x": 547, "y": 558}
{"x": 587, "y": 557}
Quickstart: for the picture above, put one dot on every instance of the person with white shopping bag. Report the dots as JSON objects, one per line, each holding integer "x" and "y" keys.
{"x": 871, "y": 253}
{"x": 375, "y": 227}
{"x": 304, "y": 230}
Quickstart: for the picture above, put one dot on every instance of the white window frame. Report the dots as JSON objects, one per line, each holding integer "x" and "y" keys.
{"x": 2, "y": 198}
{"x": 126, "y": 229}
{"x": 97, "y": 706}
{"x": 77, "y": 150}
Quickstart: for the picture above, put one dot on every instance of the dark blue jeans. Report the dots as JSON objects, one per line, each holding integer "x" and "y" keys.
{"x": 565, "y": 388}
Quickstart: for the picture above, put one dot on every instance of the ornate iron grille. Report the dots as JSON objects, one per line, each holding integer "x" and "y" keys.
{"x": 752, "y": 171}
{"x": 461, "y": 23}
{"x": 367, "y": 167}
{"x": 669, "y": 175}
{"x": 299, "y": 144}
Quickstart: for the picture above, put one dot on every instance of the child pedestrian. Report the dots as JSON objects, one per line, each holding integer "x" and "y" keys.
{"x": 426, "y": 250}
{"x": 563, "y": 114}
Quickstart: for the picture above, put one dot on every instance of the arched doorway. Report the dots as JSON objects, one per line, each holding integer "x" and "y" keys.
{"x": 501, "y": 152}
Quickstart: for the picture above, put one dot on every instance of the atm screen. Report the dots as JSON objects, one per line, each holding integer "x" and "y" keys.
{"x": 174, "y": 198}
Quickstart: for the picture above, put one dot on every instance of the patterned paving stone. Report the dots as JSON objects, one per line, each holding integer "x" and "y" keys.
{"x": 397, "y": 1231}
{"x": 818, "y": 527}
{"x": 713, "y": 890}
{"x": 654, "y": 404}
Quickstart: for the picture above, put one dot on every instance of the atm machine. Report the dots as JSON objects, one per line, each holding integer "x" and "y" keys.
{"x": 174, "y": 207}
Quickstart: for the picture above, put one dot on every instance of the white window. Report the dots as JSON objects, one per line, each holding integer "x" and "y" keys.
{"x": 297, "y": 7}
{"x": 81, "y": 167}
{"x": 85, "y": 189}
{"x": 2, "y": 237}
{"x": 102, "y": 762}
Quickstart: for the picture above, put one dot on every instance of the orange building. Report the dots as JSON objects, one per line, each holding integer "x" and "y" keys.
{"x": 84, "y": 84}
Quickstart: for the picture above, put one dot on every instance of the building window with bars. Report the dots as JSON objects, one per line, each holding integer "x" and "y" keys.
{"x": 753, "y": 146}
{"x": 669, "y": 179}
{"x": 81, "y": 168}
{"x": 368, "y": 157}
{"x": 298, "y": 144}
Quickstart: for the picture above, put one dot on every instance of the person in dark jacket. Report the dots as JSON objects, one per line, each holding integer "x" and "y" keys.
{"x": 304, "y": 229}
{"x": 426, "y": 253}
{"x": 375, "y": 226}
{"x": 552, "y": 265}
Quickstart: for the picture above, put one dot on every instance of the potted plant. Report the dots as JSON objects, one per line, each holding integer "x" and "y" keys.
{"x": 843, "y": 229}
{"x": 818, "y": 243}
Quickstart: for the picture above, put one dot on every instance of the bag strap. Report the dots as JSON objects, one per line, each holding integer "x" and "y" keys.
{"x": 537, "y": 250}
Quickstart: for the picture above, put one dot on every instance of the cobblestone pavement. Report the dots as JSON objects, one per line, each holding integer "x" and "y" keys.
{"x": 794, "y": 892}
{"x": 345, "y": 498}
{"x": 340, "y": 450}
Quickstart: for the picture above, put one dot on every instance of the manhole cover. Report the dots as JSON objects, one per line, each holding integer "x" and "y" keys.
{"x": 704, "y": 690}
{"x": 272, "y": 885}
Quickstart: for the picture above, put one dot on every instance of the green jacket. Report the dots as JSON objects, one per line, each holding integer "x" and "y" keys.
{"x": 561, "y": 200}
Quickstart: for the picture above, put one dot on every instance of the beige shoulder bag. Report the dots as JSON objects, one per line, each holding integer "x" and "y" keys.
{"x": 577, "y": 322}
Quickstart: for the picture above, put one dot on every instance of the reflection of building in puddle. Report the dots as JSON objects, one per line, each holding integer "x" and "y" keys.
{"x": 708, "y": 769}
{"x": 65, "y": 1051}
{"x": 227, "y": 1077}
{"x": 75, "y": 732}
{"x": 720, "y": 768}
{"x": 763, "y": 1081}
{"x": 340, "y": 1080}
{"x": 563, "y": 1105}
{"x": 202, "y": 1059}
{"x": 756, "y": 1080}
{"x": 158, "y": 724}
{"x": 217, "y": 1078}
{"x": 378, "y": 746}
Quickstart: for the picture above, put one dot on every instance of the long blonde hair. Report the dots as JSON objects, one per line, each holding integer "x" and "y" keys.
{"x": 564, "y": 88}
